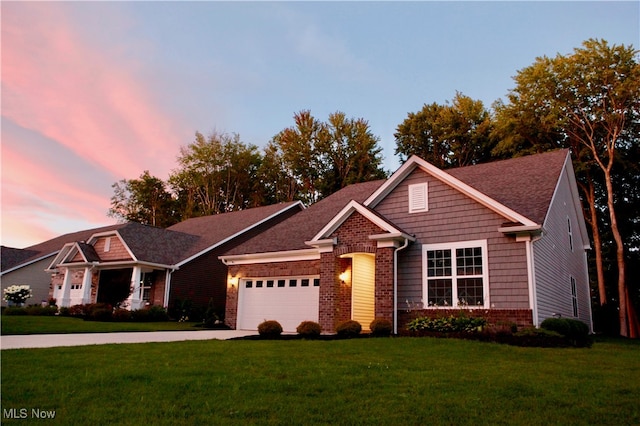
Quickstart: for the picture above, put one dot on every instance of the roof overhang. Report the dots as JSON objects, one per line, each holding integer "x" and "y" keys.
{"x": 416, "y": 162}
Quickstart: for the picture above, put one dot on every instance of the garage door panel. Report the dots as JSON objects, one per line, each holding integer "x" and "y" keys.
{"x": 287, "y": 305}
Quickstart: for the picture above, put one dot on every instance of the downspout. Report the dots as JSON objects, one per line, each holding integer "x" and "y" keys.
{"x": 395, "y": 284}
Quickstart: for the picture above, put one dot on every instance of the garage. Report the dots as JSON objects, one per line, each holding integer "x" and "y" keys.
{"x": 288, "y": 300}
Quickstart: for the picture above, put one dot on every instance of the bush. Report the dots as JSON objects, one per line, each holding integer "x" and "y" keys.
{"x": 450, "y": 324}
{"x": 576, "y": 332}
{"x": 270, "y": 328}
{"x": 14, "y": 310}
{"x": 64, "y": 311}
{"x": 381, "y": 327}
{"x": 349, "y": 328}
{"x": 121, "y": 315}
{"x": 100, "y": 314}
{"x": 538, "y": 337}
{"x": 41, "y": 310}
{"x": 157, "y": 313}
{"x": 309, "y": 329}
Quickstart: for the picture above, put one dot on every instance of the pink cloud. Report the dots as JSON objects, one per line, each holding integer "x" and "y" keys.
{"x": 86, "y": 97}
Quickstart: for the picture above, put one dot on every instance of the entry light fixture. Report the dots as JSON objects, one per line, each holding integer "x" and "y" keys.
{"x": 343, "y": 276}
{"x": 233, "y": 281}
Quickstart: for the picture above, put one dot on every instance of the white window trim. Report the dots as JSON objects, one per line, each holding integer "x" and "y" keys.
{"x": 570, "y": 232}
{"x": 453, "y": 246}
{"x": 424, "y": 187}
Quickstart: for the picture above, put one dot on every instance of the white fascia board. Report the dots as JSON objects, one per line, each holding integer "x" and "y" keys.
{"x": 61, "y": 256}
{"x": 126, "y": 246}
{"x": 344, "y": 214}
{"x": 129, "y": 263}
{"x": 394, "y": 240}
{"x": 271, "y": 257}
{"x": 237, "y": 234}
{"x": 94, "y": 237}
{"x": 323, "y": 246}
{"x": 446, "y": 178}
{"x": 519, "y": 229}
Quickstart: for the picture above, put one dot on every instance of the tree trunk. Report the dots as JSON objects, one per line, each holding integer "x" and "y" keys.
{"x": 622, "y": 288}
{"x": 590, "y": 196}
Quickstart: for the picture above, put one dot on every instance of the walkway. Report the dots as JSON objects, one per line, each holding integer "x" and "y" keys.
{"x": 81, "y": 339}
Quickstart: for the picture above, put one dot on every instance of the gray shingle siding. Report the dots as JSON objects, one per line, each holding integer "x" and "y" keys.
{"x": 454, "y": 217}
{"x": 555, "y": 263}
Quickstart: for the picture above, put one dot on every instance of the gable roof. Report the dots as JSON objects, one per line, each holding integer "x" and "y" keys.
{"x": 47, "y": 248}
{"x": 520, "y": 189}
{"x": 292, "y": 233}
{"x": 524, "y": 184}
{"x": 179, "y": 243}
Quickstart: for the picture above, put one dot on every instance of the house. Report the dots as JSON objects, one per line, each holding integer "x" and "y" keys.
{"x": 156, "y": 266}
{"x": 506, "y": 240}
{"x": 27, "y": 266}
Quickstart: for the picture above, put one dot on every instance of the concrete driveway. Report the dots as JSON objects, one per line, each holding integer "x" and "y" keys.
{"x": 81, "y": 339}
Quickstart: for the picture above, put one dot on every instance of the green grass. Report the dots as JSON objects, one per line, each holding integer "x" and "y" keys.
{"x": 388, "y": 381}
{"x": 58, "y": 325}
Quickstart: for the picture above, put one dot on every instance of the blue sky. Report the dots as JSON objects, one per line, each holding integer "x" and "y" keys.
{"x": 97, "y": 92}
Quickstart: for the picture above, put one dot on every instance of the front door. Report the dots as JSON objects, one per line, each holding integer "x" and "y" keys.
{"x": 363, "y": 289}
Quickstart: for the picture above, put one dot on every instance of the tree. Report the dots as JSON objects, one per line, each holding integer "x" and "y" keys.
{"x": 215, "y": 175}
{"x": 589, "y": 101}
{"x": 145, "y": 200}
{"x": 450, "y": 135}
{"x": 318, "y": 158}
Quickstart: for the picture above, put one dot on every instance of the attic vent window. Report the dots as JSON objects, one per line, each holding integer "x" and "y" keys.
{"x": 418, "y": 198}
{"x": 107, "y": 244}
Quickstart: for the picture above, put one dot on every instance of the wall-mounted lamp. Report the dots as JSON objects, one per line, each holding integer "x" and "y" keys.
{"x": 233, "y": 282}
{"x": 343, "y": 277}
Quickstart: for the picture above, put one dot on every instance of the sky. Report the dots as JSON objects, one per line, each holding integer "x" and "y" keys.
{"x": 96, "y": 92}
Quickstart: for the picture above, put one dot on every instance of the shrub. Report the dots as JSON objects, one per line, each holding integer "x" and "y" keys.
{"x": 100, "y": 313}
{"x": 576, "y": 332}
{"x": 121, "y": 315}
{"x": 64, "y": 311}
{"x": 450, "y": 324}
{"x": 14, "y": 310}
{"x": 538, "y": 337}
{"x": 41, "y": 310}
{"x": 349, "y": 328}
{"x": 309, "y": 329}
{"x": 381, "y": 327}
{"x": 270, "y": 328}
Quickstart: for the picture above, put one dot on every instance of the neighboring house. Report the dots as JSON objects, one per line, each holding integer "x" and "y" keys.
{"x": 506, "y": 240}
{"x": 27, "y": 266}
{"x": 159, "y": 266}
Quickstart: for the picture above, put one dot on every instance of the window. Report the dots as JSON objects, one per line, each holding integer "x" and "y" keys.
{"x": 107, "y": 244}
{"x": 418, "y": 198}
{"x": 76, "y": 286}
{"x": 456, "y": 274}
{"x": 146, "y": 282}
{"x": 281, "y": 283}
{"x": 574, "y": 296}
{"x": 269, "y": 283}
{"x": 570, "y": 233}
{"x": 293, "y": 283}
{"x": 304, "y": 282}
{"x": 248, "y": 284}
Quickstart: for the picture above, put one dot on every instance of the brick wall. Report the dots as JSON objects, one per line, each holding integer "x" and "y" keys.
{"x": 384, "y": 283}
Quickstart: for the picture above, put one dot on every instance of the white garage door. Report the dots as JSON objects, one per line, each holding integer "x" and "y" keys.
{"x": 287, "y": 300}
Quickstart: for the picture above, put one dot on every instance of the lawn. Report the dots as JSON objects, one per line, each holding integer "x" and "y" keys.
{"x": 55, "y": 324}
{"x": 383, "y": 381}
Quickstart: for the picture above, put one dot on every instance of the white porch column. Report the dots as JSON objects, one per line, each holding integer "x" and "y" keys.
{"x": 86, "y": 285}
{"x": 134, "y": 297}
{"x": 66, "y": 289}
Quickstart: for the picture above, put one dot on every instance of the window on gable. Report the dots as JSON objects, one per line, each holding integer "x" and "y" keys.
{"x": 570, "y": 233}
{"x": 107, "y": 244}
{"x": 456, "y": 274}
{"x": 418, "y": 198}
{"x": 574, "y": 297}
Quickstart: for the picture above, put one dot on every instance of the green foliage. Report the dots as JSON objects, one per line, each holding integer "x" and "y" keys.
{"x": 270, "y": 328}
{"x": 145, "y": 200}
{"x": 448, "y": 324}
{"x": 14, "y": 310}
{"x": 576, "y": 332}
{"x": 151, "y": 314}
{"x": 381, "y": 327}
{"x": 349, "y": 328}
{"x": 121, "y": 315}
{"x": 447, "y": 135}
{"x": 538, "y": 337}
{"x": 309, "y": 329}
